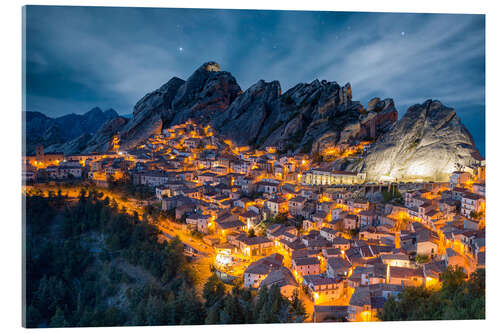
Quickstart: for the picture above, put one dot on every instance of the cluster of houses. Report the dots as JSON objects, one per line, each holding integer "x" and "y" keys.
{"x": 341, "y": 245}
{"x": 302, "y": 227}
{"x": 44, "y": 166}
{"x": 51, "y": 166}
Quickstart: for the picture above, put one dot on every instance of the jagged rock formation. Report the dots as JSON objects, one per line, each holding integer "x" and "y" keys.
{"x": 205, "y": 93}
{"x": 429, "y": 142}
{"x": 252, "y": 114}
{"x": 149, "y": 113}
{"x": 307, "y": 117}
{"x": 381, "y": 114}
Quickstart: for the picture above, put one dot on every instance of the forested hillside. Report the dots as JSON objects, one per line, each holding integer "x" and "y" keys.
{"x": 90, "y": 264}
{"x": 456, "y": 299}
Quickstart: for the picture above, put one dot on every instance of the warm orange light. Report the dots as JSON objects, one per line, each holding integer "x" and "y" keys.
{"x": 366, "y": 315}
{"x": 431, "y": 282}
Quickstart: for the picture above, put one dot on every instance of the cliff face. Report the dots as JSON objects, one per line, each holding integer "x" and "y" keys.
{"x": 308, "y": 117}
{"x": 429, "y": 142}
{"x": 252, "y": 114}
{"x": 316, "y": 116}
{"x": 205, "y": 93}
{"x": 149, "y": 113}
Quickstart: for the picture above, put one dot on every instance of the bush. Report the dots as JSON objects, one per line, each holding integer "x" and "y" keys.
{"x": 457, "y": 298}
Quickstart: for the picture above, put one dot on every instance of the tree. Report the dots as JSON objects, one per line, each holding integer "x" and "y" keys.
{"x": 233, "y": 309}
{"x": 353, "y": 232}
{"x": 212, "y": 316}
{"x": 298, "y": 307}
{"x": 476, "y": 215}
{"x": 58, "y": 319}
{"x": 170, "y": 309}
{"x": 422, "y": 258}
{"x": 213, "y": 291}
{"x": 276, "y": 301}
{"x": 452, "y": 280}
{"x": 261, "y": 302}
{"x": 457, "y": 298}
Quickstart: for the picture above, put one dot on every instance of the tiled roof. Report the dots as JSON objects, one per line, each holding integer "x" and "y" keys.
{"x": 306, "y": 261}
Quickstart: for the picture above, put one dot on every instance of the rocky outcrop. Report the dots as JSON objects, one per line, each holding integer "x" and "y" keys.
{"x": 205, "y": 93}
{"x": 252, "y": 114}
{"x": 429, "y": 142}
{"x": 308, "y": 117}
{"x": 149, "y": 113}
{"x": 327, "y": 116}
{"x": 380, "y": 115}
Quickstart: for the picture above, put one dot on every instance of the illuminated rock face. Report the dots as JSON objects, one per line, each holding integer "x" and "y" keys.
{"x": 308, "y": 117}
{"x": 428, "y": 143}
{"x": 251, "y": 114}
{"x": 149, "y": 111}
{"x": 205, "y": 93}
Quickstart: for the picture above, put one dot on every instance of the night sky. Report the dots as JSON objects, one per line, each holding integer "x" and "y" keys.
{"x": 81, "y": 57}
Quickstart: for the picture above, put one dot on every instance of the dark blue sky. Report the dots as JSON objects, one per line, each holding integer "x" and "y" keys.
{"x": 81, "y": 57}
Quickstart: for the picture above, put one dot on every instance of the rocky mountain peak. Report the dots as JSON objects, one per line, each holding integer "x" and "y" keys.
{"x": 94, "y": 111}
{"x": 346, "y": 94}
{"x": 378, "y": 105}
{"x": 428, "y": 142}
{"x": 251, "y": 113}
{"x": 110, "y": 113}
{"x": 211, "y": 66}
{"x": 207, "y": 92}
{"x": 206, "y": 85}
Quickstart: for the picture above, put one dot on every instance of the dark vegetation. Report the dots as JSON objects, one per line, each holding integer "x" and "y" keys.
{"x": 90, "y": 264}
{"x": 281, "y": 218}
{"x": 72, "y": 274}
{"x": 393, "y": 195}
{"x": 241, "y": 306}
{"x": 457, "y": 299}
{"x": 126, "y": 188}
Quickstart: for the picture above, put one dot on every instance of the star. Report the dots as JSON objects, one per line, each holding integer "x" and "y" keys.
{"x": 403, "y": 33}
{"x": 181, "y": 49}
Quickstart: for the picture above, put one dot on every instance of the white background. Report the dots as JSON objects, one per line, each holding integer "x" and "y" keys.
{"x": 10, "y": 122}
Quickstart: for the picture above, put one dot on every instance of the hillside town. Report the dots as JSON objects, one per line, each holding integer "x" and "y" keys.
{"x": 270, "y": 218}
